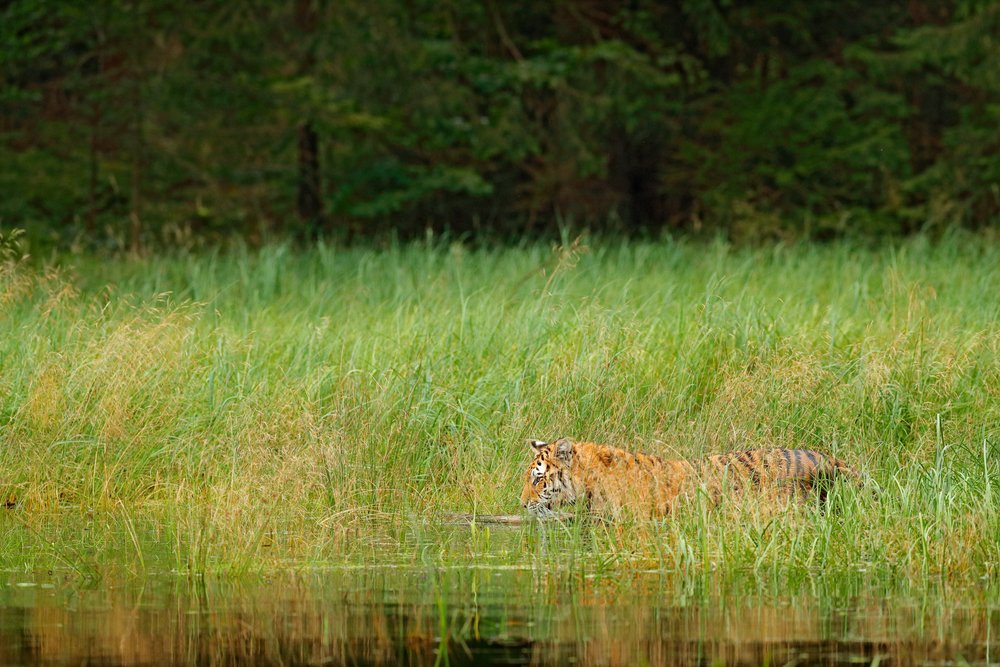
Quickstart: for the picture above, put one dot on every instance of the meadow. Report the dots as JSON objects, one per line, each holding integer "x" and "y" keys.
{"x": 244, "y": 410}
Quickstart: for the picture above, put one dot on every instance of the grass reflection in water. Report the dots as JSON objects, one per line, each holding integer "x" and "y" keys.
{"x": 483, "y": 615}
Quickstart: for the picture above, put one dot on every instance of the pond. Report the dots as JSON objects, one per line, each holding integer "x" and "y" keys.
{"x": 548, "y": 611}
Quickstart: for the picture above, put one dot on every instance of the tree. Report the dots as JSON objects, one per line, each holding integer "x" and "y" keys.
{"x": 128, "y": 123}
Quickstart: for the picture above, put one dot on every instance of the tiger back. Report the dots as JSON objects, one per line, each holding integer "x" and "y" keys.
{"x": 610, "y": 479}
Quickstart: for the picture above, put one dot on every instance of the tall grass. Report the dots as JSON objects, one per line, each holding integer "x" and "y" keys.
{"x": 233, "y": 410}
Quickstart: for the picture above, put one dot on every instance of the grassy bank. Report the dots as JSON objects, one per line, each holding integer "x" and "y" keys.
{"x": 236, "y": 410}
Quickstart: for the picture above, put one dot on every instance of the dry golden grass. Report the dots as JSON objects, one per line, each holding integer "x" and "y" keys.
{"x": 233, "y": 411}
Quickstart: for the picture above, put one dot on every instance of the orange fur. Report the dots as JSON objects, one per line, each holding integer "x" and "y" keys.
{"x": 609, "y": 478}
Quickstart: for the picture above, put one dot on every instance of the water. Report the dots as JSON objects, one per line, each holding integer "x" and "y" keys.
{"x": 464, "y": 615}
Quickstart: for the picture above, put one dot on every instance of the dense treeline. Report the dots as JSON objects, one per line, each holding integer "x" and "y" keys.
{"x": 139, "y": 123}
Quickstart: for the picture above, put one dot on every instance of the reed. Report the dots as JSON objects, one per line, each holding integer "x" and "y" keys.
{"x": 234, "y": 410}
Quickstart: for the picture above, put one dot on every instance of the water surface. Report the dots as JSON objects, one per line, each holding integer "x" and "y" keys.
{"x": 463, "y": 615}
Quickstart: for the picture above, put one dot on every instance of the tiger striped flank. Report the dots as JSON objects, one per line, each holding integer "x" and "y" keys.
{"x": 609, "y": 479}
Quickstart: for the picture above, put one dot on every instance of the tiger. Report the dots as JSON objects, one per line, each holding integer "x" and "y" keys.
{"x": 609, "y": 479}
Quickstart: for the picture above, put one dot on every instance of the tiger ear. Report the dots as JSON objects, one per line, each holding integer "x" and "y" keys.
{"x": 564, "y": 449}
{"x": 538, "y": 446}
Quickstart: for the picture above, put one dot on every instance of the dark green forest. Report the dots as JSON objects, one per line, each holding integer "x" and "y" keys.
{"x": 143, "y": 124}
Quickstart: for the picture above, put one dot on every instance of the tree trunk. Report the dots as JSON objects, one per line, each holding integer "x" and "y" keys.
{"x": 310, "y": 201}
{"x": 92, "y": 194}
{"x": 135, "y": 232}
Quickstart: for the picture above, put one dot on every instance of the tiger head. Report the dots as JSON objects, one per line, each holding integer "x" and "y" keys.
{"x": 548, "y": 483}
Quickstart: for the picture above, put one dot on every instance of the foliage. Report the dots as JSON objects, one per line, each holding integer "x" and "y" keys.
{"x": 957, "y": 60}
{"x": 132, "y": 123}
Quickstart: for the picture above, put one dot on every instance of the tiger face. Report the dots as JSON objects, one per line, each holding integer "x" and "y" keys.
{"x": 547, "y": 482}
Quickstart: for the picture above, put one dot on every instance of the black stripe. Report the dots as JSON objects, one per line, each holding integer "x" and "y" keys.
{"x": 788, "y": 462}
{"x": 798, "y": 463}
{"x": 830, "y": 468}
{"x": 812, "y": 457}
{"x": 760, "y": 469}
{"x": 751, "y": 468}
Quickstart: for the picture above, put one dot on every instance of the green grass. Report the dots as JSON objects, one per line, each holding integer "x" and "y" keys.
{"x": 232, "y": 411}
